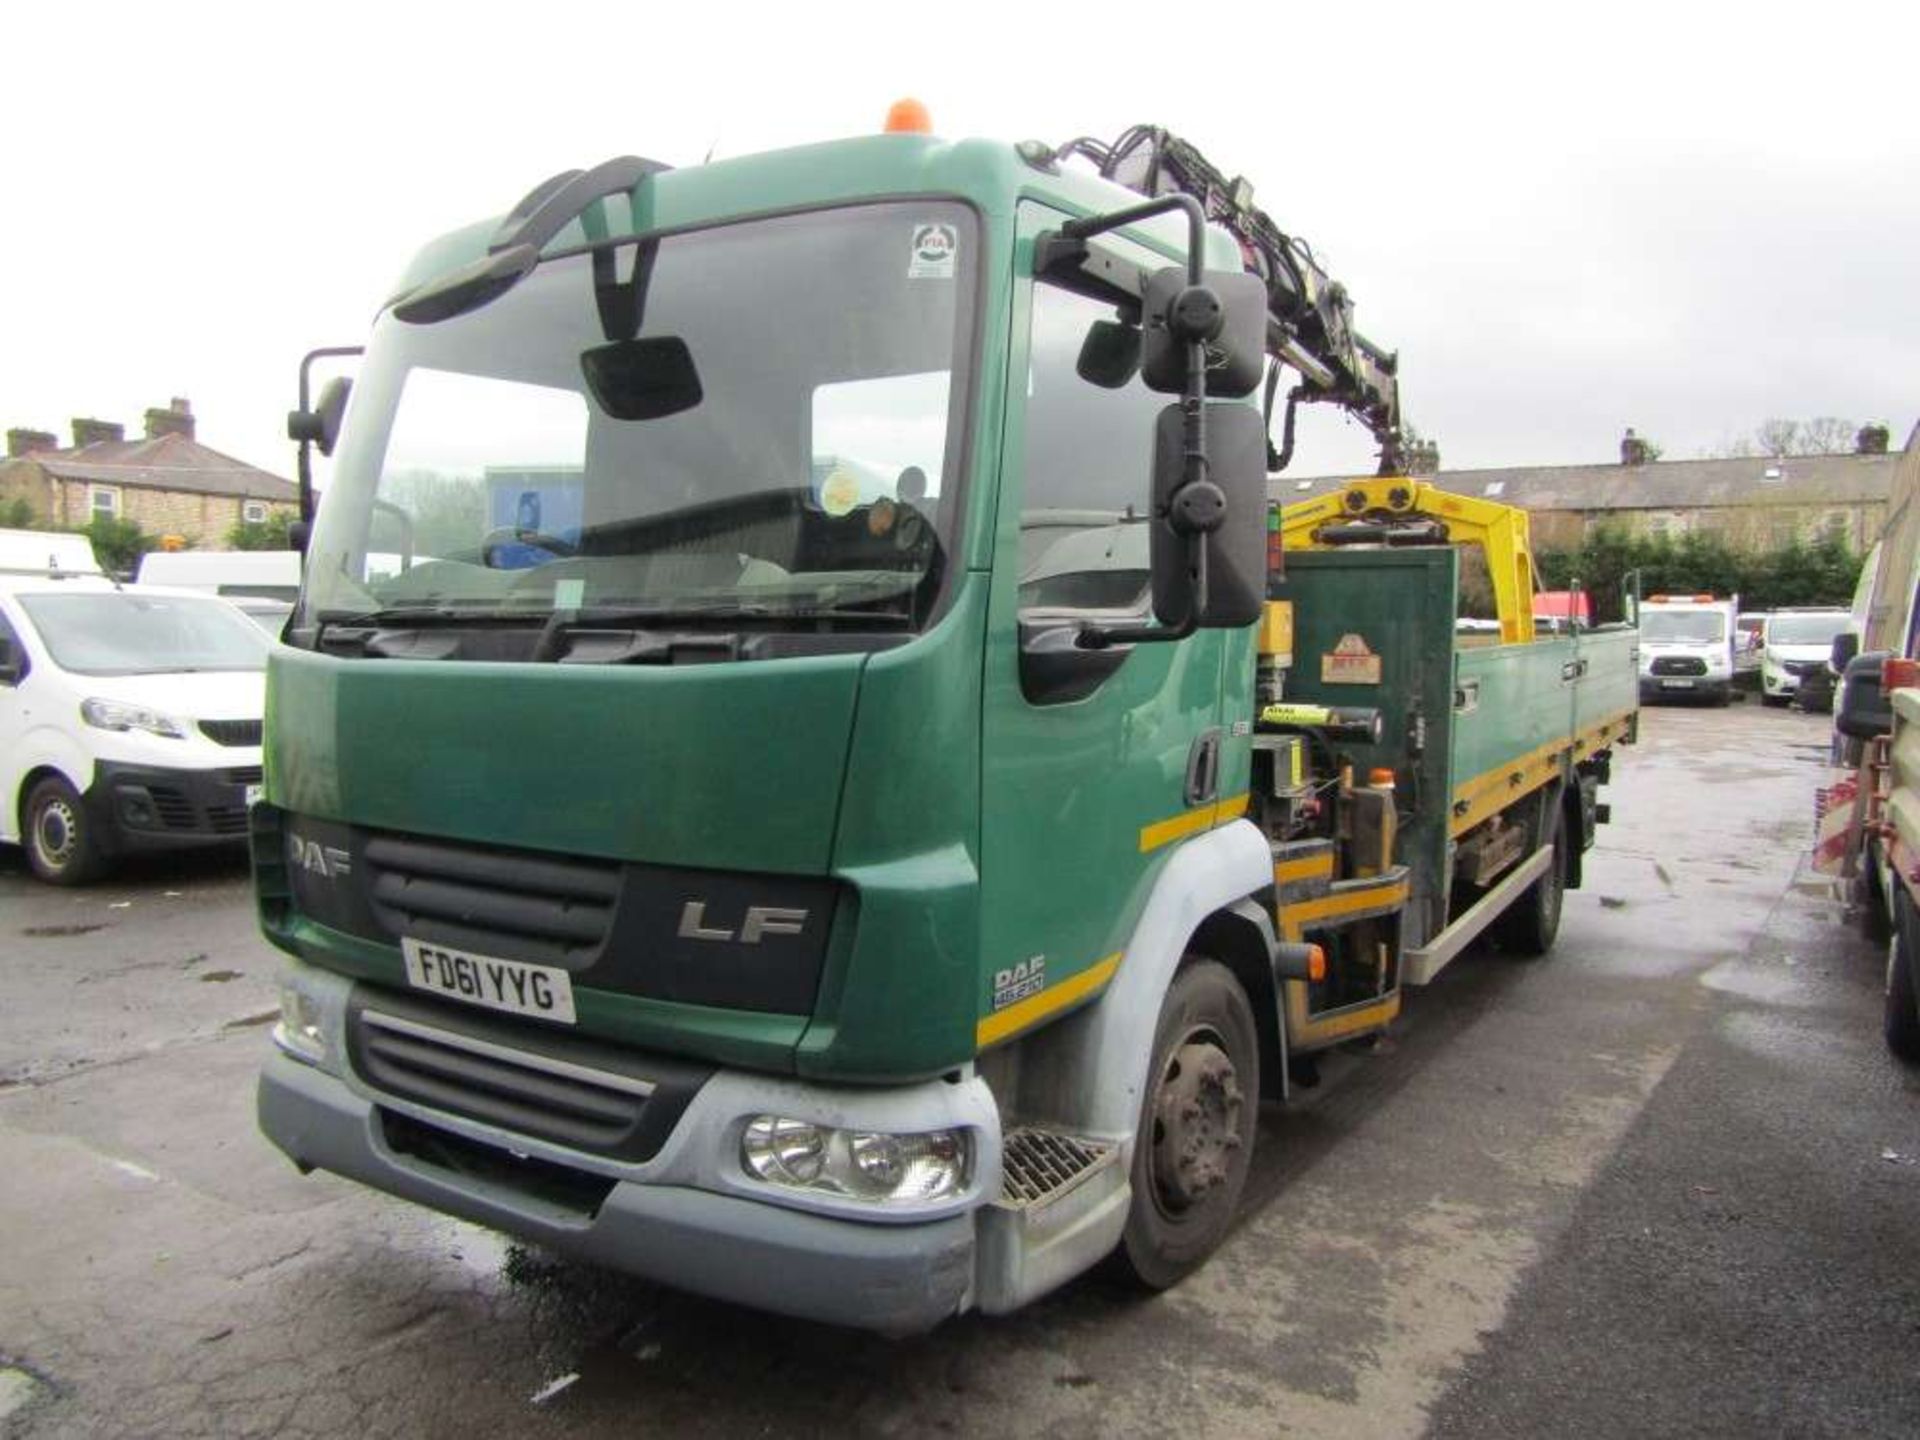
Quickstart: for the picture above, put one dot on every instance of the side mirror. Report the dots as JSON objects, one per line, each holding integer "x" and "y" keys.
{"x": 1846, "y": 645}
{"x": 1222, "y": 524}
{"x": 1110, "y": 355}
{"x": 320, "y": 426}
{"x": 1230, "y": 308}
{"x": 1863, "y": 710}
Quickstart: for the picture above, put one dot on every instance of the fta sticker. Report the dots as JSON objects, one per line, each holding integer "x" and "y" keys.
{"x": 935, "y": 247}
{"x": 1352, "y": 662}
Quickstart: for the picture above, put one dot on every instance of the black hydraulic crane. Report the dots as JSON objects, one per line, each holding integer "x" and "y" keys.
{"x": 1309, "y": 314}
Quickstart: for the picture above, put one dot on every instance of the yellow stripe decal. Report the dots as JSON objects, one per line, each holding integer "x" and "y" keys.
{"x": 1294, "y": 919}
{"x": 1035, "y": 1008}
{"x": 1311, "y": 868}
{"x": 1492, "y": 791}
{"x": 1153, "y": 836}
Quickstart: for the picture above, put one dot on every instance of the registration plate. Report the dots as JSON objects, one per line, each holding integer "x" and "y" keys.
{"x": 1676, "y": 684}
{"x": 514, "y": 986}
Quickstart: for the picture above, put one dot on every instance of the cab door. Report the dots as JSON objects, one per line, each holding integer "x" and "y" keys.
{"x": 1091, "y": 776}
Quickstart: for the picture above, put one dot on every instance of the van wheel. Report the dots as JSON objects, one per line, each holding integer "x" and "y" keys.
{"x": 59, "y": 841}
{"x": 1902, "y": 1015}
{"x": 1531, "y": 922}
{"x": 1194, "y": 1145}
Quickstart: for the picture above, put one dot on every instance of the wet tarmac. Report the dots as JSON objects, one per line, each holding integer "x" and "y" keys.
{"x": 1662, "y": 1182}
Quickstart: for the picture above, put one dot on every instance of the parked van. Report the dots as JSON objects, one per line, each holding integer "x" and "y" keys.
{"x": 264, "y": 574}
{"x": 43, "y": 552}
{"x": 1686, "y": 647}
{"x": 130, "y": 720}
{"x": 1795, "y": 646}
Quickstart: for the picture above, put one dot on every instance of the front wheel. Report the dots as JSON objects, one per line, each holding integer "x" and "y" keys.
{"x": 1531, "y": 922}
{"x": 1194, "y": 1145}
{"x": 59, "y": 841}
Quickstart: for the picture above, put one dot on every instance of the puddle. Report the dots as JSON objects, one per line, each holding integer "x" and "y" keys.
{"x": 220, "y": 977}
{"x": 59, "y": 932}
{"x": 1751, "y": 982}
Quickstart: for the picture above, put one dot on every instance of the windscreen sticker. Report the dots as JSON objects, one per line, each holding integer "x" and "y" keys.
{"x": 935, "y": 248}
{"x": 840, "y": 492}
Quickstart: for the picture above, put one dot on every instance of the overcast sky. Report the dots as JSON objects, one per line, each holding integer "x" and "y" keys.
{"x": 1566, "y": 219}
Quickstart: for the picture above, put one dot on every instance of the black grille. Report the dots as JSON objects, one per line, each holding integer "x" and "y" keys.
{"x": 1679, "y": 665}
{"x": 556, "y": 909}
{"x": 173, "y": 807}
{"x": 227, "y": 819}
{"x": 231, "y": 732}
{"x": 567, "y": 1089}
{"x": 1803, "y": 668}
{"x": 241, "y": 775}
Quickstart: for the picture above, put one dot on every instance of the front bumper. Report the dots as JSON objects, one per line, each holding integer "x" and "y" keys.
{"x": 683, "y": 1211}
{"x": 894, "y": 1278}
{"x": 148, "y": 807}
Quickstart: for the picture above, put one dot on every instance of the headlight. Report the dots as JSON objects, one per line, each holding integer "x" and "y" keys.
{"x": 869, "y": 1165}
{"x": 302, "y": 1028}
{"x": 118, "y": 715}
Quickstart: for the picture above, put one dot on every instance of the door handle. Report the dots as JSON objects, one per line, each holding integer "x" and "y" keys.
{"x": 1203, "y": 769}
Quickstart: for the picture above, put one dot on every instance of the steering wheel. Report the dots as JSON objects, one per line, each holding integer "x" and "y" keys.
{"x": 493, "y": 540}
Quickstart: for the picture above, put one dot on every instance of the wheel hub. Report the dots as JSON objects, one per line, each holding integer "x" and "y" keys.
{"x": 55, "y": 833}
{"x": 1196, "y": 1126}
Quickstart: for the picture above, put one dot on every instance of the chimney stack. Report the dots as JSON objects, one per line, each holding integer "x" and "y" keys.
{"x": 88, "y": 432}
{"x": 176, "y": 419}
{"x": 1633, "y": 450}
{"x": 25, "y": 442}
{"x": 1872, "y": 440}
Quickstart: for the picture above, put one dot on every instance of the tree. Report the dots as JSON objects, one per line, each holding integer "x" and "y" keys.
{"x": 1420, "y": 455}
{"x": 118, "y": 544}
{"x": 268, "y": 534}
{"x": 1778, "y": 437}
{"x": 1826, "y": 435}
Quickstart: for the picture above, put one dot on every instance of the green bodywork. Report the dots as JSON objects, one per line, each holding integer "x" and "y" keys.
{"x": 974, "y": 830}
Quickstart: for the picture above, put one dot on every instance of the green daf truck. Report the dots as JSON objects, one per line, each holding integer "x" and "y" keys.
{"x": 806, "y": 766}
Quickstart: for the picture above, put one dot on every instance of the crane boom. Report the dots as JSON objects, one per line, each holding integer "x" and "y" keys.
{"x": 1309, "y": 314}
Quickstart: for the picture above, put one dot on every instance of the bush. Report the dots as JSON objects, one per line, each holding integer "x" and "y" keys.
{"x": 1822, "y": 573}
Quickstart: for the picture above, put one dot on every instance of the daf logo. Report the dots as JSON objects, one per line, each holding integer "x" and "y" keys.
{"x": 760, "y": 920}
{"x": 329, "y": 862}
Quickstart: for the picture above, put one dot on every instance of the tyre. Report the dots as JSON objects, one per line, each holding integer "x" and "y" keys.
{"x": 1529, "y": 924}
{"x": 57, "y": 835}
{"x": 1902, "y": 1017}
{"x": 1870, "y": 906}
{"x": 1194, "y": 1146}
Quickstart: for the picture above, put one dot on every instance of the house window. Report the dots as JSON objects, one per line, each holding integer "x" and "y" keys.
{"x": 104, "y": 502}
{"x": 253, "y": 512}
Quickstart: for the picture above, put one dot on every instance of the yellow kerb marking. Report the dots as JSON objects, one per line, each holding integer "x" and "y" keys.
{"x": 1035, "y": 1008}
{"x": 1153, "y": 836}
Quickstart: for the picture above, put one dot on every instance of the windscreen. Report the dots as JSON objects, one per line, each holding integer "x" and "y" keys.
{"x": 757, "y": 422}
{"x": 1805, "y": 629}
{"x": 123, "y": 633}
{"x": 1702, "y": 626}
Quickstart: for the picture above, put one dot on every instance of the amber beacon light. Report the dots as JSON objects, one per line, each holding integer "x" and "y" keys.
{"x": 909, "y": 117}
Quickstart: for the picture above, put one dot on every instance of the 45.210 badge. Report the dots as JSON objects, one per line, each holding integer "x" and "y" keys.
{"x": 1017, "y": 982}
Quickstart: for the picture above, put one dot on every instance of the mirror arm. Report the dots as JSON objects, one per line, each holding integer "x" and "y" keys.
{"x": 1095, "y": 637}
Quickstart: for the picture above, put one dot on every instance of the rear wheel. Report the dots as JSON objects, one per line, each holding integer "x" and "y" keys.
{"x": 1531, "y": 922}
{"x": 59, "y": 841}
{"x": 1902, "y": 1015}
{"x": 1194, "y": 1145}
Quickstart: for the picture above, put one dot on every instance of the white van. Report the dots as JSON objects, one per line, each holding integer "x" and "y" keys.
{"x": 130, "y": 720}
{"x": 1794, "y": 646}
{"x": 1686, "y": 647}
{"x": 265, "y": 574}
{"x": 44, "y": 552}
